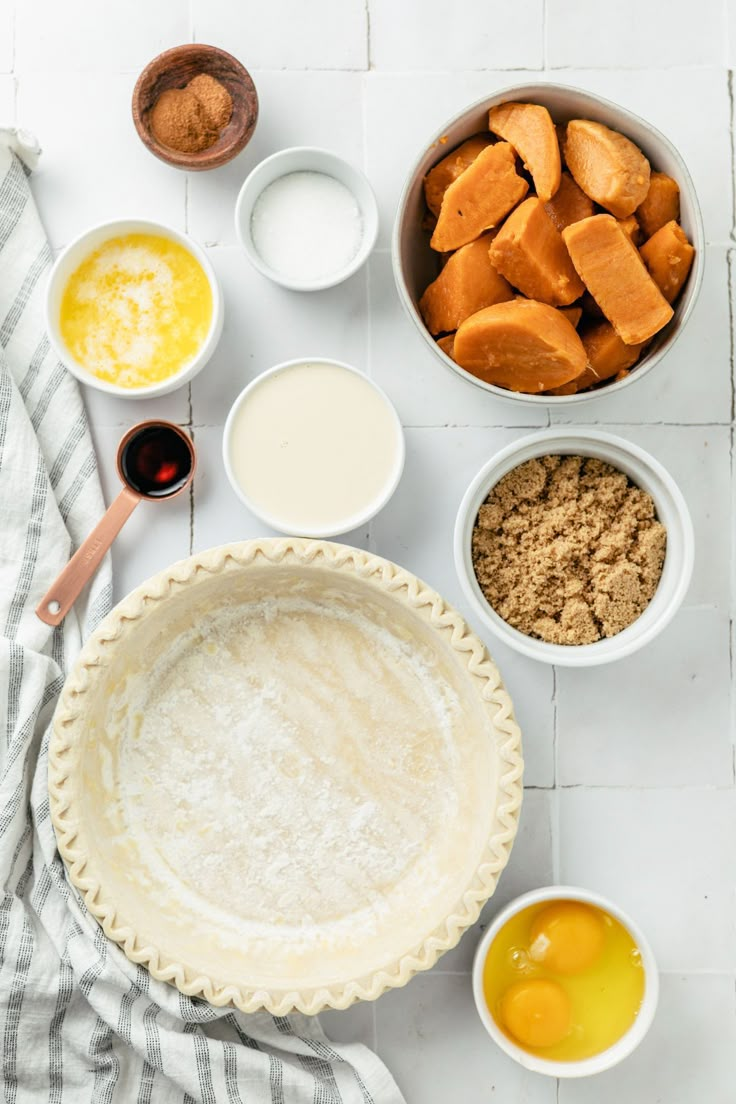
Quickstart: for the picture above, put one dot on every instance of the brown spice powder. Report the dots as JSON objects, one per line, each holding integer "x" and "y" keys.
{"x": 567, "y": 549}
{"x": 190, "y": 119}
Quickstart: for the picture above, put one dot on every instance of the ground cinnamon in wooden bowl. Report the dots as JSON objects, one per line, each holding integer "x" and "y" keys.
{"x": 567, "y": 549}
{"x": 195, "y": 107}
{"x": 190, "y": 119}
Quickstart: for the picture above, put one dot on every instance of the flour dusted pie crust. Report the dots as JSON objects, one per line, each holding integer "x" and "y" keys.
{"x": 284, "y": 774}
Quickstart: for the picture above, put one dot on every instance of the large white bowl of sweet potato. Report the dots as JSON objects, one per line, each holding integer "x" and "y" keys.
{"x": 548, "y": 245}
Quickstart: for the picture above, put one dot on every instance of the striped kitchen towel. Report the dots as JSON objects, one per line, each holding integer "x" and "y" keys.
{"x": 78, "y": 1021}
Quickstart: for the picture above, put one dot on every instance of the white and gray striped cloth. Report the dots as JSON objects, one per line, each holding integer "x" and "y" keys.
{"x": 78, "y": 1021}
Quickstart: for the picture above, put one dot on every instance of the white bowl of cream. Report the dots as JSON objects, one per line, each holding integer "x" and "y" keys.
{"x": 313, "y": 447}
{"x": 306, "y": 219}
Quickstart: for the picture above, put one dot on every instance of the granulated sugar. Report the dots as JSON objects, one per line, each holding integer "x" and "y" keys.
{"x": 567, "y": 549}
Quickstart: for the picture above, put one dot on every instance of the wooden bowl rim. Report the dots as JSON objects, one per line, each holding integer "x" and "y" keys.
{"x": 214, "y": 156}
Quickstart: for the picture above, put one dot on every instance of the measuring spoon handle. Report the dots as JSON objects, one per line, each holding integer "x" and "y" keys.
{"x": 66, "y": 588}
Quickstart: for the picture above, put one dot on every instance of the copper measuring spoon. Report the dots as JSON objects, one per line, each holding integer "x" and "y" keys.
{"x": 156, "y": 460}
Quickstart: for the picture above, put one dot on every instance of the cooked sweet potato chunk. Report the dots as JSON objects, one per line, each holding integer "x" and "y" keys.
{"x": 438, "y": 179}
{"x": 522, "y": 345}
{"x": 607, "y": 357}
{"x": 530, "y": 130}
{"x": 447, "y": 345}
{"x": 479, "y": 198}
{"x": 614, "y": 273}
{"x": 631, "y": 229}
{"x": 661, "y": 204}
{"x": 607, "y": 166}
{"x": 466, "y": 284}
{"x": 572, "y": 314}
{"x": 668, "y": 256}
{"x": 607, "y": 354}
{"x": 530, "y": 253}
{"x": 569, "y": 204}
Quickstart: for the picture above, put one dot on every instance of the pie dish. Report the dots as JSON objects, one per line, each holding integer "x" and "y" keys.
{"x": 284, "y": 774}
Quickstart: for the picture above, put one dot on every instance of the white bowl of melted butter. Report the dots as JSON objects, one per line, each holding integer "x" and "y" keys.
{"x": 133, "y": 308}
{"x": 313, "y": 447}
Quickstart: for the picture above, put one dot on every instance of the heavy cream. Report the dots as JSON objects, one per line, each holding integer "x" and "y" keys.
{"x": 315, "y": 448}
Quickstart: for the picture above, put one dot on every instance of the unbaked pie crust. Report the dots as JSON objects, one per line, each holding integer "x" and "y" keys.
{"x": 284, "y": 774}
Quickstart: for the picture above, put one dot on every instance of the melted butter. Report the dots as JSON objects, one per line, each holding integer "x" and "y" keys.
{"x": 136, "y": 310}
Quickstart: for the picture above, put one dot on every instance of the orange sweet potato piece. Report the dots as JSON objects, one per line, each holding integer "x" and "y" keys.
{"x": 530, "y": 253}
{"x": 530, "y": 130}
{"x": 607, "y": 357}
{"x": 447, "y": 345}
{"x": 479, "y": 198}
{"x": 661, "y": 204}
{"x": 466, "y": 284}
{"x": 631, "y": 229}
{"x": 668, "y": 256}
{"x": 572, "y": 314}
{"x": 569, "y": 204}
{"x": 607, "y": 166}
{"x": 522, "y": 345}
{"x": 607, "y": 354}
{"x": 438, "y": 179}
{"x": 615, "y": 275}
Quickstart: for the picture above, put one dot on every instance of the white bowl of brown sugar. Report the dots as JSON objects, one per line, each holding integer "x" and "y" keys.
{"x": 574, "y": 547}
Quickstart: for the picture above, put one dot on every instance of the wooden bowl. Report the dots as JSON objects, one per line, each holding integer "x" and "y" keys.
{"x": 174, "y": 69}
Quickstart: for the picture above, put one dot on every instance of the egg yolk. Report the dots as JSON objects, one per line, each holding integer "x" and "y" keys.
{"x": 536, "y": 1012}
{"x": 567, "y": 937}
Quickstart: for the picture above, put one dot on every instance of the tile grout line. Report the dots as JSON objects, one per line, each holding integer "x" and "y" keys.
{"x": 732, "y": 143}
{"x": 368, "y": 48}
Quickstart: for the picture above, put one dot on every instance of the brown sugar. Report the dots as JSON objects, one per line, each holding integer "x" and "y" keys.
{"x": 567, "y": 549}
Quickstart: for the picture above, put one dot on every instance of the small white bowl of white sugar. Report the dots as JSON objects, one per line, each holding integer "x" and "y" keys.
{"x": 306, "y": 218}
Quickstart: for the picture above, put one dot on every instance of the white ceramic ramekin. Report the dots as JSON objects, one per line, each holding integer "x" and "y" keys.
{"x": 643, "y": 470}
{"x": 284, "y": 525}
{"x": 306, "y": 159}
{"x": 415, "y": 265}
{"x": 598, "y": 1062}
{"x": 72, "y": 257}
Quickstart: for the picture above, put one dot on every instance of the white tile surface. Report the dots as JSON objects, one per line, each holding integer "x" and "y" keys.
{"x": 667, "y": 857}
{"x": 7, "y": 38}
{"x": 642, "y": 752}
{"x": 79, "y": 35}
{"x": 426, "y": 34}
{"x": 584, "y": 34}
{"x": 690, "y": 1045}
{"x": 94, "y": 166}
{"x": 7, "y": 97}
{"x": 265, "y": 324}
{"x": 286, "y": 34}
{"x": 607, "y": 737}
{"x": 291, "y": 113}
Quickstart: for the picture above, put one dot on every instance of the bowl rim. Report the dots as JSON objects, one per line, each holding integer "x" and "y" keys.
{"x": 68, "y": 736}
{"x": 282, "y": 525}
{"x": 187, "y": 372}
{"x": 528, "y": 90}
{"x": 203, "y": 159}
{"x": 623, "y": 1046}
{"x": 361, "y": 189}
{"x": 572, "y": 441}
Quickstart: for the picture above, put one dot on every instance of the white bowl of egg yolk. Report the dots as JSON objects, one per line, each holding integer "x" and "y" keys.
{"x": 133, "y": 308}
{"x": 565, "y": 982}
